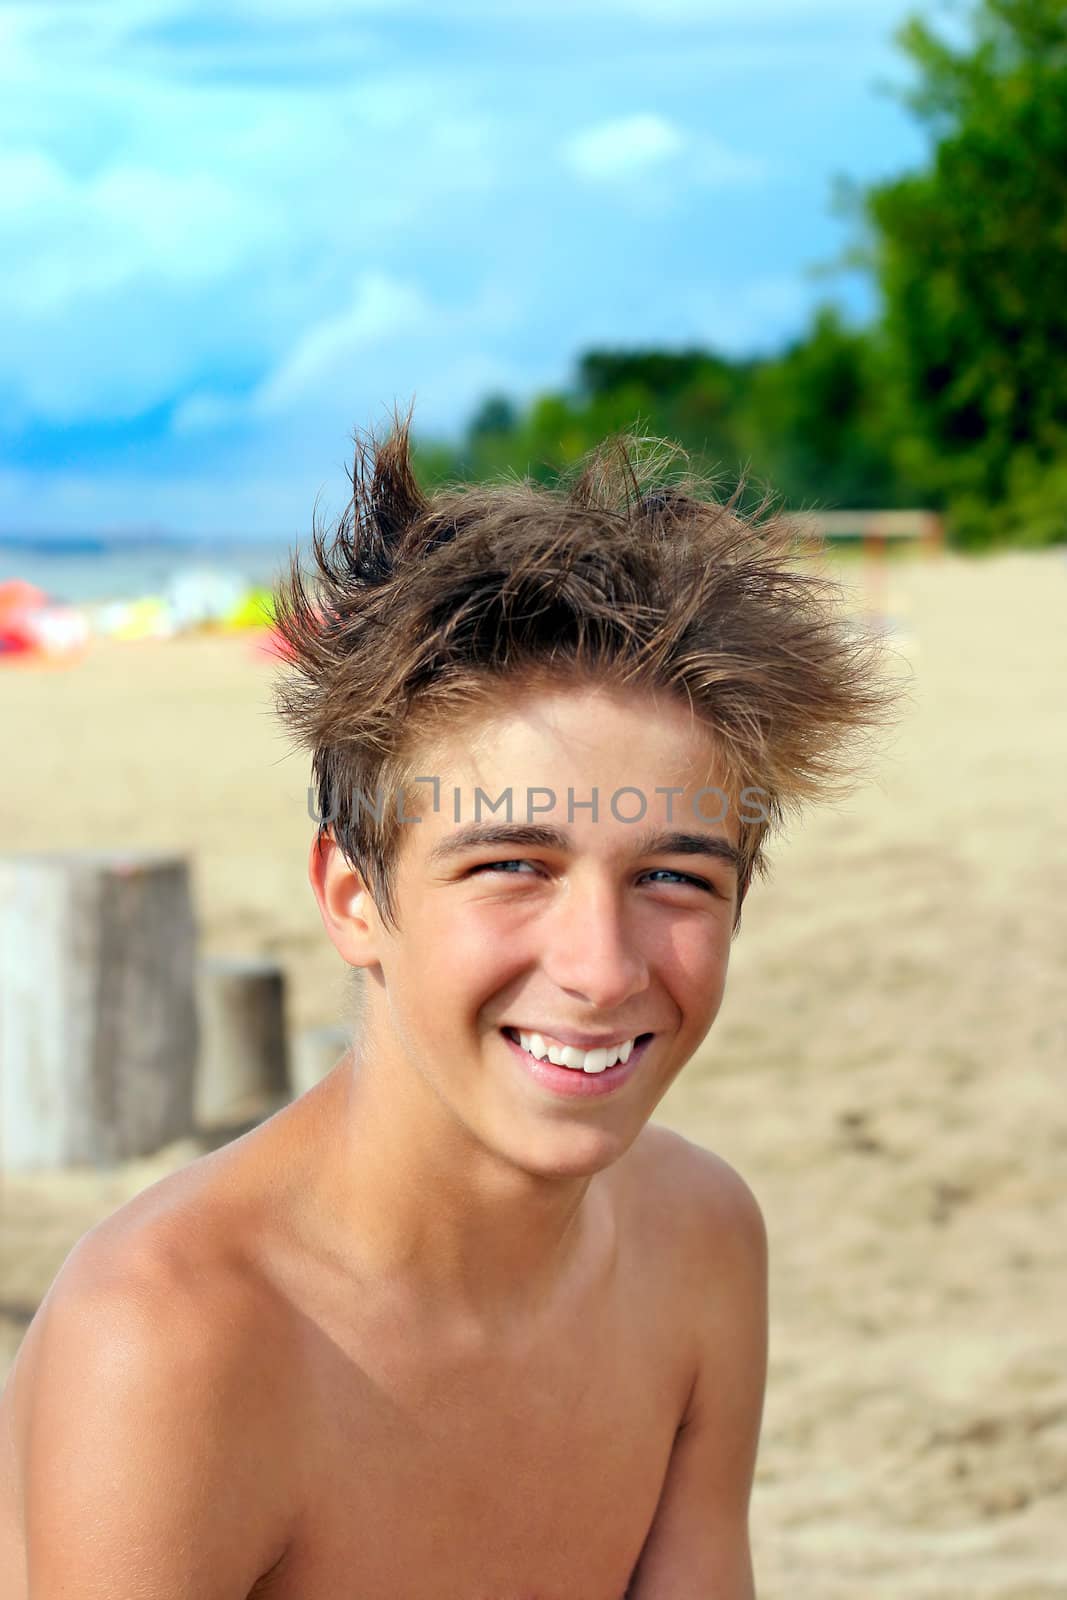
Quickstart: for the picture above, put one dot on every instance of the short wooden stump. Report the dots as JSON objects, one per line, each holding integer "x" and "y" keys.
{"x": 98, "y": 1025}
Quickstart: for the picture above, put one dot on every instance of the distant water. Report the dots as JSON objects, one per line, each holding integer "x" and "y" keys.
{"x": 86, "y": 570}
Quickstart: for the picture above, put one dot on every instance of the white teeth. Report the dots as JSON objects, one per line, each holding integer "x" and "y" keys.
{"x": 570, "y": 1056}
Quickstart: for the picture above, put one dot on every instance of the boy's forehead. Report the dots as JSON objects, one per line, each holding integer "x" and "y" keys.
{"x": 605, "y": 768}
{"x": 589, "y": 730}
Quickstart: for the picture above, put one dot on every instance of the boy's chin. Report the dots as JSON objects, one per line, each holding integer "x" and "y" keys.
{"x": 563, "y": 1152}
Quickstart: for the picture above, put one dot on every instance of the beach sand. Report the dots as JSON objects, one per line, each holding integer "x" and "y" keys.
{"x": 887, "y": 1070}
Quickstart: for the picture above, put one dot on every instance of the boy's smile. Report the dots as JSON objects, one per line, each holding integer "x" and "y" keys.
{"x": 528, "y": 952}
{"x": 570, "y": 1071}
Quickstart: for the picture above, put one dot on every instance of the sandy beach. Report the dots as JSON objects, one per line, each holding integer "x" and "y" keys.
{"x": 887, "y": 1071}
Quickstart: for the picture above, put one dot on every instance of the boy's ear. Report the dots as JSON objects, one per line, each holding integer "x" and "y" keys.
{"x": 348, "y": 912}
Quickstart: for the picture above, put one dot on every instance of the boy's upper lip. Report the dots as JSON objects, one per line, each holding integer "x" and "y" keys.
{"x": 579, "y": 1041}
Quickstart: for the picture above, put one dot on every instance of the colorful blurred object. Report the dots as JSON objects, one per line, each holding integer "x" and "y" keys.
{"x": 32, "y": 626}
{"x": 16, "y": 594}
{"x": 36, "y": 628}
{"x": 272, "y": 644}
{"x": 255, "y": 609}
{"x": 146, "y": 618}
{"x": 203, "y": 595}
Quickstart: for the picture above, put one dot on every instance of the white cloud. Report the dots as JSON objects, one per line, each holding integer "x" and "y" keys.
{"x": 380, "y": 308}
{"x": 62, "y": 240}
{"x": 100, "y": 275}
{"x": 153, "y": 231}
{"x": 324, "y": 356}
{"x": 627, "y": 148}
{"x": 622, "y": 147}
{"x": 390, "y": 342}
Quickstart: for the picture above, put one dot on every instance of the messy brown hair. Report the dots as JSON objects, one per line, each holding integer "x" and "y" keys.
{"x": 629, "y": 572}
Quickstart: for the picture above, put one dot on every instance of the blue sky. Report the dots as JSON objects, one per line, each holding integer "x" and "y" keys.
{"x": 232, "y": 232}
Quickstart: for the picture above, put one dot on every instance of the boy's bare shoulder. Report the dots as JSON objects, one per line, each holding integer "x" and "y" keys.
{"x": 178, "y": 1241}
{"x": 146, "y": 1366}
{"x": 200, "y": 1247}
{"x": 707, "y": 1241}
{"x": 701, "y": 1194}
{"x": 165, "y": 1270}
{"x": 701, "y": 1232}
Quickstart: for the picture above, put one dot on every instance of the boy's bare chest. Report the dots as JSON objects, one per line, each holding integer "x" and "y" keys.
{"x": 477, "y": 1477}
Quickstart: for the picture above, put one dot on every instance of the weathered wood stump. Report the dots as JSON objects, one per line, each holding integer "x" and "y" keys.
{"x": 98, "y": 1028}
{"x": 243, "y": 1064}
{"x": 316, "y": 1051}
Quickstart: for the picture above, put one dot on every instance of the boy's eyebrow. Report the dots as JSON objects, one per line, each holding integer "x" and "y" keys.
{"x": 541, "y": 835}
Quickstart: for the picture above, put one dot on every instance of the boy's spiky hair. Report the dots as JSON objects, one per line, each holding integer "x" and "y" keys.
{"x": 630, "y": 573}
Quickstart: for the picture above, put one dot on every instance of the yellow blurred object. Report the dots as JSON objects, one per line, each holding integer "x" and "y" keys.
{"x": 254, "y": 610}
{"x": 146, "y": 618}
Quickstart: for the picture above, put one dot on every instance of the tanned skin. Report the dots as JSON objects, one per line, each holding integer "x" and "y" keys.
{"x": 435, "y": 1330}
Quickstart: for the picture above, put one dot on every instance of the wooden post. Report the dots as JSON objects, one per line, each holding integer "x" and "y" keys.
{"x": 316, "y": 1051}
{"x": 874, "y": 563}
{"x": 933, "y": 536}
{"x": 243, "y": 1064}
{"x": 98, "y": 1029}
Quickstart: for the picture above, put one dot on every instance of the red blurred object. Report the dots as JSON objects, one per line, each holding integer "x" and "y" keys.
{"x": 18, "y": 595}
{"x": 269, "y": 642}
{"x": 37, "y": 631}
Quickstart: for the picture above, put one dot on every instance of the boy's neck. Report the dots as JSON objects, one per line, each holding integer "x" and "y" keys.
{"x": 409, "y": 1194}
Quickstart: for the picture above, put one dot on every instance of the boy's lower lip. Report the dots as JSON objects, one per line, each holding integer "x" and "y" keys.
{"x": 569, "y": 1082}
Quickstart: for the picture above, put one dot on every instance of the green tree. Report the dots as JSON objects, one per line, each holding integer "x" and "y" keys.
{"x": 817, "y": 420}
{"x": 971, "y": 257}
{"x": 811, "y": 423}
{"x": 495, "y": 416}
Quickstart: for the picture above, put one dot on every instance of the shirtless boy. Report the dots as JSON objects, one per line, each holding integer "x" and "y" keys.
{"x": 460, "y": 1323}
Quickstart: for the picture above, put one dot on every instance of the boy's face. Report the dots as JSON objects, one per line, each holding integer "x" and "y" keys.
{"x": 598, "y": 934}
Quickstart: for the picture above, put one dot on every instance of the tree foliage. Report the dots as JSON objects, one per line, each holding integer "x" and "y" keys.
{"x": 971, "y": 258}
{"x": 812, "y": 422}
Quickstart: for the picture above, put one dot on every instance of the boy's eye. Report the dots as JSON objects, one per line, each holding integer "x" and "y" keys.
{"x": 499, "y": 866}
{"x": 682, "y": 877}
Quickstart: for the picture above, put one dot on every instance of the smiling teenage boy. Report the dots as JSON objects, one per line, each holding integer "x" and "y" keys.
{"x": 461, "y": 1323}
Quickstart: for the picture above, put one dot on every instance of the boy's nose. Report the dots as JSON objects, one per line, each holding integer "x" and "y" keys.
{"x": 591, "y": 950}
